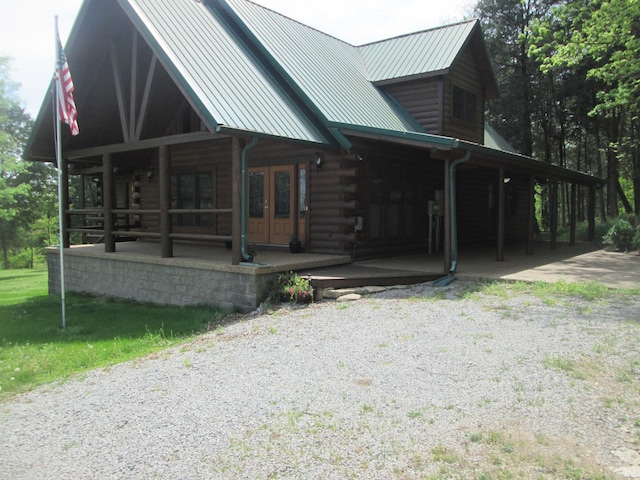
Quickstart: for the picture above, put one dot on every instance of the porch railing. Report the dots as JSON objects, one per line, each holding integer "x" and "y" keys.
{"x": 126, "y": 230}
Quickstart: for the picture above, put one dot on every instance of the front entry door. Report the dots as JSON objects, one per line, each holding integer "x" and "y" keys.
{"x": 273, "y": 208}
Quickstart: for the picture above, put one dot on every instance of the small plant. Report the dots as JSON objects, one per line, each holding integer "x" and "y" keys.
{"x": 290, "y": 286}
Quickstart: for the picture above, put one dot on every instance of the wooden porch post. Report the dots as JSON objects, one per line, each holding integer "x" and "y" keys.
{"x": 107, "y": 198}
{"x": 236, "y": 201}
{"x": 164, "y": 189}
{"x": 532, "y": 215}
{"x": 501, "y": 210}
{"x": 591, "y": 213}
{"x": 447, "y": 216}
{"x": 64, "y": 174}
{"x": 553, "y": 214}
{"x": 572, "y": 215}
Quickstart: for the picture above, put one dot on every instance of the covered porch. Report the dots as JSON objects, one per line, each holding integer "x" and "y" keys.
{"x": 203, "y": 275}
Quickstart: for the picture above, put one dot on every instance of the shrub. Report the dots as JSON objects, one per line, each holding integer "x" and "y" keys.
{"x": 620, "y": 236}
{"x": 289, "y": 286}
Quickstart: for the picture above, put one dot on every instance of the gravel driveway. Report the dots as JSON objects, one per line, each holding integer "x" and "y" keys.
{"x": 408, "y": 383}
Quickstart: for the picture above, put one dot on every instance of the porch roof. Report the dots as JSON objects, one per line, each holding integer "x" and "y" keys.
{"x": 481, "y": 154}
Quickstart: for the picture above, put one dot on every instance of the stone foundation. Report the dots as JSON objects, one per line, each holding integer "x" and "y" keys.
{"x": 170, "y": 281}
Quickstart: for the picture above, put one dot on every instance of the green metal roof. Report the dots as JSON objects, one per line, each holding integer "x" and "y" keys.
{"x": 227, "y": 82}
{"x": 329, "y": 74}
{"x": 419, "y": 53}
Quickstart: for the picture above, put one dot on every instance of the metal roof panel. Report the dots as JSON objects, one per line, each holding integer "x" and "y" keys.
{"x": 423, "y": 52}
{"x": 212, "y": 65}
{"x": 330, "y": 73}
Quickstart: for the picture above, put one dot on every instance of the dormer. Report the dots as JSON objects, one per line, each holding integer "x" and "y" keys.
{"x": 442, "y": 77}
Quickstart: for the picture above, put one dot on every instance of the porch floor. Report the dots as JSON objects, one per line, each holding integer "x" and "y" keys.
{"x": 580, "y": 263}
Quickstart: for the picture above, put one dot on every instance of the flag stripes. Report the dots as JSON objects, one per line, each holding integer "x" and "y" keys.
{"x": 64, "y": 92}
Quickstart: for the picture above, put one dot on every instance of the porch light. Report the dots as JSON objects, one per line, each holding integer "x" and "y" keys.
{"x": 318, "y": 160}
{"x": 150, "y": 173}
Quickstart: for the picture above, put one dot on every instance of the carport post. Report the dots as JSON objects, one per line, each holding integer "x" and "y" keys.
{"x": 164, "y": 178}
{"x": 501, "y": 209}
{"x": 532, "y": 214}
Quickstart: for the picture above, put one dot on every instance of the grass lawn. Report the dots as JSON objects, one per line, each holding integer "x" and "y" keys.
{"x": 35, "y": 350}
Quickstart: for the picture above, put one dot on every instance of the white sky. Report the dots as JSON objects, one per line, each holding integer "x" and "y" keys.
{"x": 27, "y": 28}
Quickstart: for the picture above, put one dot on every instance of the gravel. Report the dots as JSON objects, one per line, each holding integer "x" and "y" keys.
{"x": 409, "y": 383}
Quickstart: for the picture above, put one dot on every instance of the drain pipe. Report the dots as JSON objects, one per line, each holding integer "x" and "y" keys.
{"x": 246, "y": 256}
{"x": 443, "y": 282}
{"x": 453, "y": 214}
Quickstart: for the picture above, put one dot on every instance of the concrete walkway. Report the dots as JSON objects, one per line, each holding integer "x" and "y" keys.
{"x": 580, "y": 263}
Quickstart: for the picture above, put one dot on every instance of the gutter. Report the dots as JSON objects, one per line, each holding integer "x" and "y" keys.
{"x": 246, "y": 256}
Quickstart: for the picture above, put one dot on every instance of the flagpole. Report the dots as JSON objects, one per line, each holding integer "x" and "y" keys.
{"x": 59, "y": 161}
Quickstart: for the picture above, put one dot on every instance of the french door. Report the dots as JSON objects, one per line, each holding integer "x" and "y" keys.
{"x": 277, "y": 204}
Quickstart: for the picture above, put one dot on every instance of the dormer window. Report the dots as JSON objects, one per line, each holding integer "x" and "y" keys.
{"x": 464, "y": 105}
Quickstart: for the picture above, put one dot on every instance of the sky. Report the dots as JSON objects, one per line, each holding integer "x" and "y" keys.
{"x": 27, "y": 29}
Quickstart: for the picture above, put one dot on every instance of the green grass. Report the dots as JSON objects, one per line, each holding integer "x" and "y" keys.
{"x": 34, "y": 350}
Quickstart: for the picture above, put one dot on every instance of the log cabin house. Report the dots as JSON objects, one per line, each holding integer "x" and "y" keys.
{"x": 226, "y": 124}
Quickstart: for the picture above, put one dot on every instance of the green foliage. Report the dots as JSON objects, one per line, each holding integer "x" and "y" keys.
{"x": 621, "y": 236}
{"x": 34, "y": 349}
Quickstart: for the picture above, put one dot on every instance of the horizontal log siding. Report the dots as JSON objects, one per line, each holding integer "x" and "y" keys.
{"x": 466, "y": 76}
{"x": 333, "y": 198}
{"x": 476, "y": 211}
{"x": 214, "y": 156}
{"x": 422, "y": 100}
{"x": 430, "y": 177}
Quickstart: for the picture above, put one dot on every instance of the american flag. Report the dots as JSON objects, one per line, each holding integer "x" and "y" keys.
{"x": 64, "y": 92}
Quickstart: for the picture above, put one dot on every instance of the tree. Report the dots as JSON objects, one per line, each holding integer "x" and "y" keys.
{"x": 602, "y": 39}
{"x": 15, "y": 201}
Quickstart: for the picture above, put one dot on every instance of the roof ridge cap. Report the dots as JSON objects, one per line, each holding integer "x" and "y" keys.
{"x": 405, "y": 35}
{"x": 299, "y": 22}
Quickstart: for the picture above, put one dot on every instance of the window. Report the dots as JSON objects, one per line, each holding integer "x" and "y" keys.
{"x": 464, "y": 105}
{"x": 192, "y": 191}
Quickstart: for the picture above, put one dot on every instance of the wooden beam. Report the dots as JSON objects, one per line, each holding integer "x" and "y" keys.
{"x": 447, "y": 216}
{"x": 532, "y": 215}
{"x": 572, "y": 215}
{"x": 553, "y": 214}
{"x": 145, "y": 98}
{"x": 119, "y": 93}
{"x": 108, "y": 202}
{"x": 501, "y": 210}
{"x": 164, "y": 192}
{"x": 144, "y": 144}
{"x": 134, "y": 85}
{"x": 236, "y": 201}
{"x": 591, "y": 213}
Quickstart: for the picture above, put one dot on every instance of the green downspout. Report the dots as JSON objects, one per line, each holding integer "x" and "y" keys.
{"x": 246, "y": 256}
{"x": 453, "y": 216}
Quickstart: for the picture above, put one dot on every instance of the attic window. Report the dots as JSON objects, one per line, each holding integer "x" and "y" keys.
{"x": 464, "y": 105}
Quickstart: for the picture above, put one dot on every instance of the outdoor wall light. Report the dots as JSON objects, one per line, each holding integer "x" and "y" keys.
{"x": 318, "y": 161}
{"x": 506, "y": 179}
{"x": 150, "y": 173}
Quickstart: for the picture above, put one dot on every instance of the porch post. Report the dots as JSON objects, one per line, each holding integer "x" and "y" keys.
{"x": 532, "y": 215}
{"x": 107, "y": 198}
{"x": 447, "y": 216}
{"x": 236, "y": 201}
{"x": 164, "y": 188}
{"x": 553, "y": 214}
{"x": 501, "y": 209}
{"x": 64, "y": 198}
{"x": 572, "y": 216}
{"x": 591, "y": 213}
